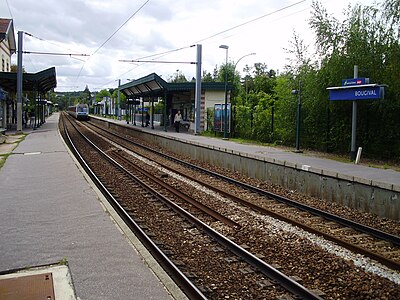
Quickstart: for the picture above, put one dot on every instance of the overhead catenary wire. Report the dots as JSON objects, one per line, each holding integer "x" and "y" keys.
{"x": 44, "y": 40}
{"x": 55, "y": 53}
{"x": 119, "y": 28}
{"x": 162, "y": 54}
{"x": 224, "y": 31}
{"x": 114, "y": 33}
{"x": 250, "y": 21}
{"x": 160, "y": 61}
{"x": 9, "y": 10}
{"x": 34, "y": 66}
{"x": 166, "y": 52}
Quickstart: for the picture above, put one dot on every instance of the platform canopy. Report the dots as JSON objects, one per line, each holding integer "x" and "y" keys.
{"x": 150, "y": 85}
{"x": 42, "y": 81}
{"x": 154, "y": 86}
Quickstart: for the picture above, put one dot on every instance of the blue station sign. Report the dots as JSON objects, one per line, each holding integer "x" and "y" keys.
{"x": 356, "y": 92}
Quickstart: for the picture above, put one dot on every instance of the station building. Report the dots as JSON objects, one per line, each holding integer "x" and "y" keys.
{"x": 176, "y": 96}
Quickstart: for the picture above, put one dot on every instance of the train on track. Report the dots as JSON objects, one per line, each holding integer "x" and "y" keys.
{"x": 79, "y": 111}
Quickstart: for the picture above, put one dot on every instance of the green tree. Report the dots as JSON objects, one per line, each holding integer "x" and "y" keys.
{"x": 103, "y": 93}
{"x": 285, "y": 110}
{"x": 367, "y": 38}
{"x": 207, "y": 77}
{"x": 263, "y": 81}
{"x": 86, "y": 95}
{"x": 122, "y": 98}
{"x": 233, "y": 79}
{"x": 178, "y": 77}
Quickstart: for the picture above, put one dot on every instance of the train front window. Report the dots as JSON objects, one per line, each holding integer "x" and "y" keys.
{"x": 82, "y": 109}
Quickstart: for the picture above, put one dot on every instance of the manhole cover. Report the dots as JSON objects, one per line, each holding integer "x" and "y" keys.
{"x": 30, "y": 287}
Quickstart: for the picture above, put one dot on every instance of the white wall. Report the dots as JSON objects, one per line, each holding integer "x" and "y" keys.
{"x": 215, "y": 97}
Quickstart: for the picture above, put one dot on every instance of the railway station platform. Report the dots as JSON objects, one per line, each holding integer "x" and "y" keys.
{"x": 50, "y": 214}
{"x": 359, "y": 186}
{"x": 384, "y": 176}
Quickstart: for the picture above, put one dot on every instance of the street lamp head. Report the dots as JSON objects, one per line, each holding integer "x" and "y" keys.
{"x": 295, "y": 92}
{"x": 224, "y": 47}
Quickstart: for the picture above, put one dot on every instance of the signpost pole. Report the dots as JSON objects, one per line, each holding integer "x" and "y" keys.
{"x": 354, "y": 123}
{"x": 298, "y": 119}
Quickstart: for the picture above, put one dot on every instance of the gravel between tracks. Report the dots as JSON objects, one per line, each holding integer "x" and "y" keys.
{"x": 312, "y": 259}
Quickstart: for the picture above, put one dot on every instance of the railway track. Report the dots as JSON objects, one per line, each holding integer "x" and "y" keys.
{"x": 243, "y": 238}
{"x": 313, "y": 267}
{"x": 163, "y": 219}
{"x": 356, "y": 237}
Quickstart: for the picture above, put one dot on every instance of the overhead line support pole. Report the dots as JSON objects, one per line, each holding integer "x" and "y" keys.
{"x": 119, "y": 101}
{"x": 19, "y": 81}
{"x": 197, "y": 129}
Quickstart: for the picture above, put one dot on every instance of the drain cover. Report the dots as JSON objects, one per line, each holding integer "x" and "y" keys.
{"x": 30, "y": 287}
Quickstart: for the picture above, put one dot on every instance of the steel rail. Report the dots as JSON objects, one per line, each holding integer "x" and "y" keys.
{"x": 352, "y": 247}
{"x": 184, "y": 283}
{"x": 216, "y": 215}
{"x": 395, "y": 240}
{"x": 383, "y": 260}
{"x": 285, "y": 281}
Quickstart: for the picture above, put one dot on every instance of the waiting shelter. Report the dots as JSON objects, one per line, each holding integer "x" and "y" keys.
{"x": 39, "y": 83}
{"x": 176, "y": 96}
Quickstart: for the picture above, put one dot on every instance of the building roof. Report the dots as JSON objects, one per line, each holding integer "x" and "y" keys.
{"x": 42, "y": 81}
{"x": 7, "y": 32}
{"x": 154, "y": 85}
{"x": 151, "y": 84}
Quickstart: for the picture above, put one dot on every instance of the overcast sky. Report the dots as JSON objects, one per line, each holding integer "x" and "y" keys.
{"x": 83, "y": 26}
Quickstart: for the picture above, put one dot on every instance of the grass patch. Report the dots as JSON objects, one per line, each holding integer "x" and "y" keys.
{"x": 3, "y": 158}
{"x": 236, "y": 140}
{"x": 64, "y": 261}
{"x": 344, "y": 158}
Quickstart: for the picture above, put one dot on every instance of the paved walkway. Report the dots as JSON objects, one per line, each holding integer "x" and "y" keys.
{"x": 386, "y": 178}
{"x": 49, "y": 213}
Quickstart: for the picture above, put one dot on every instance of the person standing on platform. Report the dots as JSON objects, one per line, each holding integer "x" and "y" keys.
{"x": 177, "y": 120}
{"x": 147, "y": 119}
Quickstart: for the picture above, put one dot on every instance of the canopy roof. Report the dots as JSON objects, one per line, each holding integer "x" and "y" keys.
{"x": 42, "y": 81}
{"x": 149, "y": 85}
{"x": 154, "y": 86}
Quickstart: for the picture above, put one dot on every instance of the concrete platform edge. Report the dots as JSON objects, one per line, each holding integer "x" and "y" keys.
{"x": 325, "y": 179}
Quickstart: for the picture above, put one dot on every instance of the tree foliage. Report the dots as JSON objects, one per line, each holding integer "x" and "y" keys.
{"x": 265, "y": 109}
{"x": 178, "y": 77}
{"x": 101, "y": 94}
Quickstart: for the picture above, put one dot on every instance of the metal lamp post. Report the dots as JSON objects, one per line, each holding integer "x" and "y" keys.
{"x": 226, "y": 93}
{"x": 240, "y": 60}
{"x": 298, "y": 92}
{"x": 234, "y": 68}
